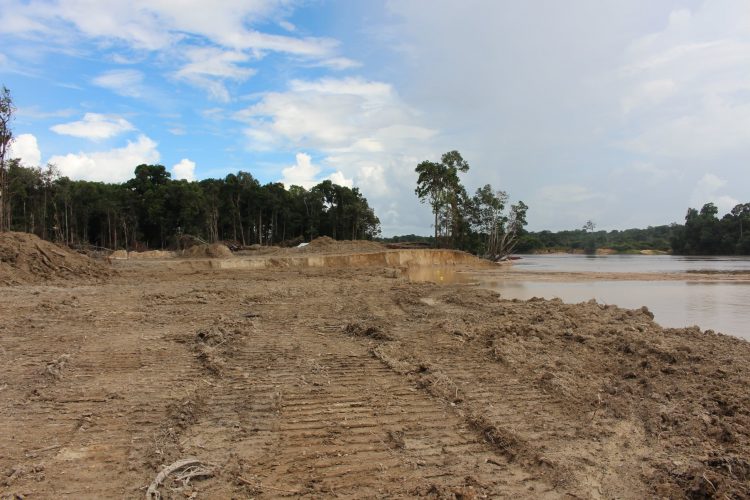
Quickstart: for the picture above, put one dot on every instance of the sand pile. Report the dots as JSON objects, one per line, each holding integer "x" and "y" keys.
{"x": 214, "y": 250}
{"x": 25, "y": 258}
{"x": 326, "y": 245}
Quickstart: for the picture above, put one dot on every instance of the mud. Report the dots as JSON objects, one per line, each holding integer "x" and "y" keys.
{"x": 354, "y": 382}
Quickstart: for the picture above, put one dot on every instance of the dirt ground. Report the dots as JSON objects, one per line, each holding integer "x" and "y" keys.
{"x": 357, "y": 383}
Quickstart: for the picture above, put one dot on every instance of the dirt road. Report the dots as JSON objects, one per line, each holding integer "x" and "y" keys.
{"x": 357, "y": 383}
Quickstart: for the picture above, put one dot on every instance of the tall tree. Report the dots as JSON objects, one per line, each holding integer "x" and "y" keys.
{"x": 7, "y": 109}
{"x": 438, "y": 184}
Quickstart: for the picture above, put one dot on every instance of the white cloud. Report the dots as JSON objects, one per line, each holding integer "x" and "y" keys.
{"x": 336, "y": 63}
{"x": 95, "y": 126}
{"x": 708, "y": 190}
{"x": 126, "y": 82}
{"x": 25, "y": 147}
{"x": 185, "y": 169}
{"x": 302, "y": 173}
{"x": 3, "y": 59}
{"x": 115, "y": 165}
{"x": 339, "y": 178}
{"x": 331, "y": 114}
{"x": 209, "y": 66}
{"x": 155, "y": 25}
{"x": 361, "y": 127}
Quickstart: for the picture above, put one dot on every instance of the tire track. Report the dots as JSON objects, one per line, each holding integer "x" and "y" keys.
{"x": 304, "y": 409}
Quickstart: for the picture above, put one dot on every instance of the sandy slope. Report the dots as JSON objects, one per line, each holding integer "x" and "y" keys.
{"x": 344, "y": 382}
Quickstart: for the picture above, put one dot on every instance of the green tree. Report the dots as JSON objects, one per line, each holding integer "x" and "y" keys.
{"x": 438, "y": 184}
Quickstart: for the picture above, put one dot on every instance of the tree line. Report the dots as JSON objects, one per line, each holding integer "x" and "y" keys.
{"x": 703, "y": 233}
{"x": 588, "y": 240}
{"x": 152, "y": 210}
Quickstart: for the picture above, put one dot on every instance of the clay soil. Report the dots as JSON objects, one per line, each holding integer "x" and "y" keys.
{"x": 357, "y": 383}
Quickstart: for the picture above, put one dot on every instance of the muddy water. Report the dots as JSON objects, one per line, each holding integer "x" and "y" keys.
{"x": 723, "y": 306}
{"x": 631, "y": 263}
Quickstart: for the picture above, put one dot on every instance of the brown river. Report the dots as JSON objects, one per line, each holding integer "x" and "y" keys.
{"x": 712, "y": 293}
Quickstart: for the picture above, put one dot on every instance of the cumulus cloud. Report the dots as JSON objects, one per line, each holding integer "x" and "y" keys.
{"x": 340, "y": 179}
{"x": 710, "y": 189}
{"x": 329, "y": 113}
{"x": 185, "y": 169}
{"x": 304, "y": 173}
{"x": 95, "y": 126}
{"x": 115, "y": 165}
{"x": 25, "y": 147}
{"x": 361, "y": 127}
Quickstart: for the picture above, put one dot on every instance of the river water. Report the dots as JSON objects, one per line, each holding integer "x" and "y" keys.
{"x": 723, "y": 306}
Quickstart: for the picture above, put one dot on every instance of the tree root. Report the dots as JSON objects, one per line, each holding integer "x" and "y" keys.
{"x": 192, "y": 468}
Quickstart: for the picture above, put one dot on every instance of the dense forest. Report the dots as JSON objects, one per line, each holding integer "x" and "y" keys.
{"x": 705, "y": 234}
{"x": 151, "y": 210}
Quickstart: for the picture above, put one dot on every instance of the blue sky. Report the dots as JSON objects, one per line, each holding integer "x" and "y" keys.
{"x": 621, "y": 112}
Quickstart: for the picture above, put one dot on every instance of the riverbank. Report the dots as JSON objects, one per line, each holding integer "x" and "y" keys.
{"x": 358, "y": 382}
{"x": 598, "y": 251}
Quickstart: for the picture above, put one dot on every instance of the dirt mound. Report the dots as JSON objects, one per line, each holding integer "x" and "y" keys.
{"x": 322, "y": 242}
{"x": 326, "y": 245}
{"x": 25, "y": 258}
{"x": 214, "y": 250}
{"x": 671, "y": 404}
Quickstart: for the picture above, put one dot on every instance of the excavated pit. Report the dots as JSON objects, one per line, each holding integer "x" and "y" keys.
{"x": 386, "y": 258}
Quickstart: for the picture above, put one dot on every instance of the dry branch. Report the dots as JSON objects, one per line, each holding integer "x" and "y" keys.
{"x": 197, "y": 468}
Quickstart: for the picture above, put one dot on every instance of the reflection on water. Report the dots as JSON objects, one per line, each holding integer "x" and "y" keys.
{"x": 720, "y": 306}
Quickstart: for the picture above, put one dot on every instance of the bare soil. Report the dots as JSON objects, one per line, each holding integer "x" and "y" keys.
{"x": 316, "y": 382}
